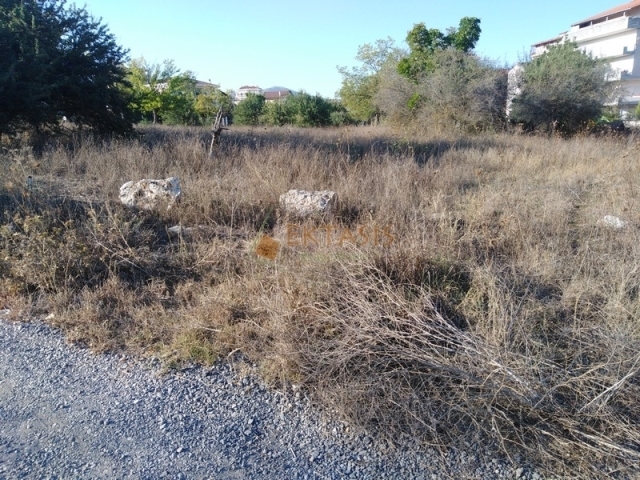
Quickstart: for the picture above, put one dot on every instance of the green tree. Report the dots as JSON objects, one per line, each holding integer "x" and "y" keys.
{"x": 361, "y": 84}
{"x": 339, "y": 114}
{"x": 310, "y": 110}
{"x": 562, "y": 90}
{"x": 209, "y": 101}
{"x": 178, "y": 100}
{"x": 279, "y": 113}
{"x": 148, "y": 81}
{"x": 423, "y": 43}
{"x": 250, "y": 110}
{"x": 59, "y": 60}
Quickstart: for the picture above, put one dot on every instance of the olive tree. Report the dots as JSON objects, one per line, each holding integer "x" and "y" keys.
{"x": 562, "y": 90}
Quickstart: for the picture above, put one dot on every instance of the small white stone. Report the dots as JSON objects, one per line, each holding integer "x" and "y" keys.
{"x": 613, "y": 222}
{"x": 303, "y": 203}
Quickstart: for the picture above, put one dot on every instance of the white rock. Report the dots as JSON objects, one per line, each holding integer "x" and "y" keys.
{"x": 151, "y": 194}
{"x": 613, "y": 222}
{"x": 178, "y": 230}
{"x": 303, "y": 203}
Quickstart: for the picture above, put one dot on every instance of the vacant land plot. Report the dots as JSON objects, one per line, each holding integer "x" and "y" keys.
{"x": 495, "y": 299}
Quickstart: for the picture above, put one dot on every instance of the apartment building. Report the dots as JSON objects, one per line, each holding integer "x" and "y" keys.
{"x": 613, "y": 35}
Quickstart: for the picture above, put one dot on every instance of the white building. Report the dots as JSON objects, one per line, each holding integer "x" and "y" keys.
{"x": 245, "y": 90}
{"x": 613, "y": 35}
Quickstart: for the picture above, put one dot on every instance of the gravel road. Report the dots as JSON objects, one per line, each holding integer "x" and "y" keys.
{"x": 68, "y": 413}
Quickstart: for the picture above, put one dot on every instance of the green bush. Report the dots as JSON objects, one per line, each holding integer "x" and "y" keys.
{"x": 562, "y": 90}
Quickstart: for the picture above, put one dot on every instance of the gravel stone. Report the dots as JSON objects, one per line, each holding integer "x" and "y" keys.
{"x": 68, "y": 413}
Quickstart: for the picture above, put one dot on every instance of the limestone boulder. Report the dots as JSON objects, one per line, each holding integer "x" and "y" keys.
{"x": 303, "y": 203}
{"x": 151, "y": 194}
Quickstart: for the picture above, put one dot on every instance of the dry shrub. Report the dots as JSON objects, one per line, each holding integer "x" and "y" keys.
{"x": 392, "y": 357}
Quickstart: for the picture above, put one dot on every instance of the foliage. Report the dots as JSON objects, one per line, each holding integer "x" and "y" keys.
{"x": 179, "y": 99}
{"x": 424, "y": 43}
{"x": 463, "y": 93}
{"x": 146, "y": 82}
{"x": 562, "y": 90}
{"x": 439, "y": 82}
{"x": 149, "y": 87}
{"x": 249, "y": 110}
{"x": 300, "y": 109}
{"x": 361, "y": 84}
{"x": 340, "y": 115}
{"x": 278, "y": 113}
{"x": 209, "y": 101}
{"x": 161, "y": 94}
{"x": 55, "y": 61}
{"x": 309, "y": 110}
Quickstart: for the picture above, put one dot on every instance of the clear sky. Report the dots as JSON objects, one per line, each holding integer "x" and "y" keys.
{"x": 298, "y": 45}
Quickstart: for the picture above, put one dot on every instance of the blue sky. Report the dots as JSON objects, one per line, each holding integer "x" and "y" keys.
{"x": 298, "y": 45}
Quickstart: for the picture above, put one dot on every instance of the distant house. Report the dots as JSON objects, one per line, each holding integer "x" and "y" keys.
{"x": 246, "y": 90}
{"x": 273, "y": 94}
{"x": 201, "y": 85}
{"x": 612, "y": 35}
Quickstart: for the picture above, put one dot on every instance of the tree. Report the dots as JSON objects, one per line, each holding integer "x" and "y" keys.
{"x": 279, "y": 113}
{"x": 423, "y": 43}
{"x": 249, "y": 110}
{"x": 360, "y": 84}
{"x": 562, "y": 90}
{"x": 59, "y": 61}
{"x": 178, "y": 100}
{"x": 304, "y": 110}
{"x": 209, "y": 101}
{"x": 310, "y": 110}
{"x": 148, "y": 81}
{"x": 464, "y": 92}
{"x": 339, "y": 114}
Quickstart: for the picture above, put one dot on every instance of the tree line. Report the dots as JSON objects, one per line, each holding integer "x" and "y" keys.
{"x": 438, "y": 82}
{"x": 159, "y": 93}
{"x": 58, "y": 61}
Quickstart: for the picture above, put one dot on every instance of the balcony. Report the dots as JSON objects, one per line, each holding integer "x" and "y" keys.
{"x": 603, "y": 29}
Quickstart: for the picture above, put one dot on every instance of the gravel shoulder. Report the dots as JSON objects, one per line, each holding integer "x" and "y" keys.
{"x": 68, "y": 413}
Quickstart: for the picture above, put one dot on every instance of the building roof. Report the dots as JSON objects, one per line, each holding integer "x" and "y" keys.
{"x": 612, "y": 11}
{"x": 249, "y": 87}
{"x": 555, "y": 39}
{"x": 203, "y": 84}
{"x": 275, "y": 94}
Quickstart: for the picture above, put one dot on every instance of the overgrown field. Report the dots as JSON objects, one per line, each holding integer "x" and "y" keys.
{"x": 499, "y": 310}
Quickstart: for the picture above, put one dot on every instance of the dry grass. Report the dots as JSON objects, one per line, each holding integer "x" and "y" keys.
{"x": 501, "y": 312}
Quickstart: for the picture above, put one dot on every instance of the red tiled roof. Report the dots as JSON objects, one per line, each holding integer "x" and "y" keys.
{"x": 619, "y": 9}
{"x": 272, "y": 95}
